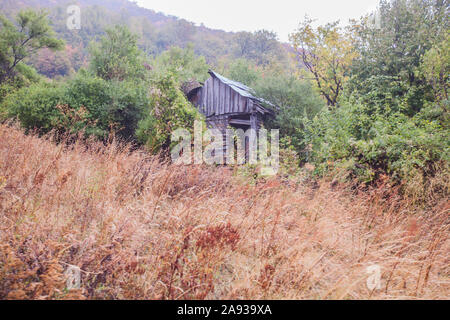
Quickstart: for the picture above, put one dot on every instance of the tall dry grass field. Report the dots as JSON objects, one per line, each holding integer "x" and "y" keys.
{"x": 142, "y": 229}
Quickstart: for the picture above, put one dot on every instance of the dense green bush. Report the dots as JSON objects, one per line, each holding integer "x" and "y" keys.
{"x": 86, "y": 103}
{"x": 168, "y": 111}
{"x": 296, "y": 102}
{"x": 25, "y": 76}
{"x": 392, "y": 117}
{"x": 114, "y": 105}
{"x": 35, "y": 106}
{"x": 366, "y": 145}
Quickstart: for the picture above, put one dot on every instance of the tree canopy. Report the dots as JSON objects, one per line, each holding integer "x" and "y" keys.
{"x": 117, "y": 56}
{"x": 22, "y": 39}
{"x": 327, "y": 52}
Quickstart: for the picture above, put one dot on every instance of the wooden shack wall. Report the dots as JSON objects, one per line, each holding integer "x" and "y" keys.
{"x": 217, "y": 98}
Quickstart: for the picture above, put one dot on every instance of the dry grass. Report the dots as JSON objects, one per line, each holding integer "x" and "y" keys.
{"x": 142, "y": 229}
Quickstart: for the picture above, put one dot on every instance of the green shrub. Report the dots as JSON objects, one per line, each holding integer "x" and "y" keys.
{"x": 297, "y": 102}
{"x": 368, "y": 145}
{"x": 35, "y": 106}
{"x": 85, "y": 103}
{"x": 168, "y": 111}
{"x": 114, "y": 105}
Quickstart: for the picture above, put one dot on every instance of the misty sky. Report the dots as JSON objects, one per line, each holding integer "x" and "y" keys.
{"x": 281, "y": 16}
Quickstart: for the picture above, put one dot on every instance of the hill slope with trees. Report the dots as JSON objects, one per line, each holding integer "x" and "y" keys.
{"x": 156, "y": 33}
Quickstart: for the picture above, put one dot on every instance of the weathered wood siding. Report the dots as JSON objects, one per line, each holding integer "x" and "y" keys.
{"x": 223, "y": 104}
{"x": 216, "y": 98}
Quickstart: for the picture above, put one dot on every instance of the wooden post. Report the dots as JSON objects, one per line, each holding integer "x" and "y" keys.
{"x": 253, "y": 140}
{"x": 253, "y": 121}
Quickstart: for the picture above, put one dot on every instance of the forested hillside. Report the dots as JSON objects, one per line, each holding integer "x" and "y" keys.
{"x": 156, "y": 33}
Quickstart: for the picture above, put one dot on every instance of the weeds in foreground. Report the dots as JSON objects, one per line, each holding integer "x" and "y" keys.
{"x": 139, "y": 228}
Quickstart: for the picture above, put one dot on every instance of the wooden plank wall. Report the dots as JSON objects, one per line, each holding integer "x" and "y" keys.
{"x": 217, "y": 98}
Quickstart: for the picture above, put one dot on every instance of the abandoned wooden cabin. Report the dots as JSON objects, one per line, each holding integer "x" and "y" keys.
{"x": 225, "y": 102}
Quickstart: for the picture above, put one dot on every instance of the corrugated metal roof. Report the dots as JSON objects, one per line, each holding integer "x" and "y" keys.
{"x": 240, "y": 88}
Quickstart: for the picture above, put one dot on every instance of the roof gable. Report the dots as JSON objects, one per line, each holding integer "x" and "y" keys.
{"x": 242, "y": 89}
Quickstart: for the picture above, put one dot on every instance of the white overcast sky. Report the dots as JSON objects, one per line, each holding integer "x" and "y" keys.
{"x": 281, "y": 16}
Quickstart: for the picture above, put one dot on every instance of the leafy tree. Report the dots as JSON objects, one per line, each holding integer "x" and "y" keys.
{"x": 262, "y": 47}
{"x": 95, "y": 19}
{"x": 184, "y": 62}
{"x": 117, "y": 56}
{"x": 146, "y": 33}
{"x": 214, "y": 47}
{"x": 34, "y": 106}
{"x": 393, "y": 116}
{"x": 244, "y": 71}
{"x": 297, "y": 103}
{"x": 157, "y": 32}
{"x": 168, "y": 111}
{"x": 391, "y": 52}
{"x": 23, "y": 39}
{"x": 435, "y": 67}
{"x": 244, "y": 44}
{"x": 327, "y": 53}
